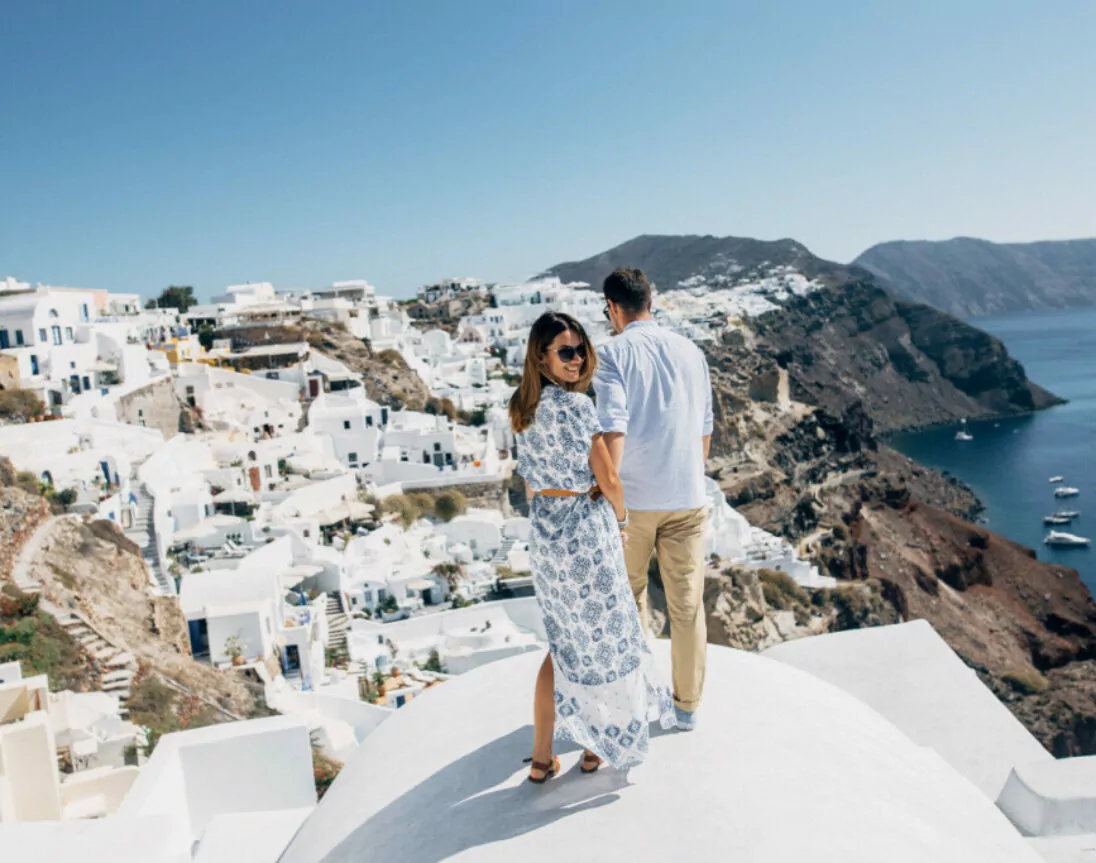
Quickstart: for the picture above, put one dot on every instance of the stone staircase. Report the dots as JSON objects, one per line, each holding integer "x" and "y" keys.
{"x": 144, "y": 534}
{"x": 337, "y": 624}
{"x": 118, "y": 668}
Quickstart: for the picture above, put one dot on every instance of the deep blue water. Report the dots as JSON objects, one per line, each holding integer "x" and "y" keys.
{"x": 1008, "y": 463}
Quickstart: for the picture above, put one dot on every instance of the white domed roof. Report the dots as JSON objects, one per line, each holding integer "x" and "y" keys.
{"x": 783, "y": 767}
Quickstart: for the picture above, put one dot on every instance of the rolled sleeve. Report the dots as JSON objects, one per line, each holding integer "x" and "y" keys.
{"x": 612, "y": 402}
{"x": 709, "y": 419}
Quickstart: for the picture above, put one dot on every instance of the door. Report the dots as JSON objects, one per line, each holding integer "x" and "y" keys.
{"x": 292, "y": 658}
{"x": 256, "y": 480}
{"x": 313, "y": 387}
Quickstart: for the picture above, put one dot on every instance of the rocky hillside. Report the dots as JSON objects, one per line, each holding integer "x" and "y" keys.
{"x": 445, "y": 314}
{"x": 387, "y": 378}
{"x": 969, "y": 277}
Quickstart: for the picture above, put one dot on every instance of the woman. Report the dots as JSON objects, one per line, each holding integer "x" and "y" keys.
{"x": 598, "y": 686}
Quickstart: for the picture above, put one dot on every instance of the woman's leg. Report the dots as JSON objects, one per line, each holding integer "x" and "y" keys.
{"x": 544, "y": 715}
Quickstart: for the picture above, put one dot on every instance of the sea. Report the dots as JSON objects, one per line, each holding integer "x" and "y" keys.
{"x": 1009, "y": 462}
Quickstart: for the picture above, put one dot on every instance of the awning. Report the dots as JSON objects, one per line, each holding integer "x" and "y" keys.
{"x": 420, "y": 584}
{"x": 352, "y": 510}
{"x": 234, "y": 495}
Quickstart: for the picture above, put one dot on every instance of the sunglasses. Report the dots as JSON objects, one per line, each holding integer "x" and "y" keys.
{"x": 567, "y": 354}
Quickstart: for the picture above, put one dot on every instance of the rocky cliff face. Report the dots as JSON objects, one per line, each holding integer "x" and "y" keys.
{"x": 906, "y": 364}
{"x": 969, "y": 277}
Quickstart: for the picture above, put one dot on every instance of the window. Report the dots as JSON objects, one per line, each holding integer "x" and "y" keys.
{"x": 68, "y": 333}
{"x": 353, "y": 459}
{"x": 346, "y": 424}
{"x": 55, "y": 331}
{"x": 53, "y": 313}
{"x": 41, "y": 335}
{"x": 87, "y": 383}
{"x": 140, "y": 412}
{"x": 4, "y": 343}
{"x": 72, "y": 365}
{"x": 252, "y": 457}
{"x": 34, "y": 364}
{"x": 369, "y": 422}
{"x": 84, "y": 313}
{"x": 437, "y": 447}
{"x": 269, "y": 471}
{"x": 19, "y": 337}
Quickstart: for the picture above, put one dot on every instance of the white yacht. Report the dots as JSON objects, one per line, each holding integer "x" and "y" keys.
{"x": 1056, "y": 479}
{"x": 1056, "y": 519}
{"x": 1065, "y": 540}
{"x": 962, "y": 435}
{"x": 1068, "y": 513}
{"x": 1066, "y": 491}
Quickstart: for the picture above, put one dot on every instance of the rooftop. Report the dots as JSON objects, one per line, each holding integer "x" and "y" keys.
{"x": 784, "y": 765}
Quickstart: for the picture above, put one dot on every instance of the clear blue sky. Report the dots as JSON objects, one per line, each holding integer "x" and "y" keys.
{"x": 210, "y": 143}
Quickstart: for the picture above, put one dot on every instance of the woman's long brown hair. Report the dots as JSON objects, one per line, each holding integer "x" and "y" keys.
{"x": 524, "y": 401}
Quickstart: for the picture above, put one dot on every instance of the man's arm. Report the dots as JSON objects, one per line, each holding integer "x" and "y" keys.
{"x": 709, "y": 418}
{"x": 614, "y": 441}
{"x": 612, "y": 406}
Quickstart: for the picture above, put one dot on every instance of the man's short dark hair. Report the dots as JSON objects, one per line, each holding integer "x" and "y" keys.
{"x": 628, "y": 288}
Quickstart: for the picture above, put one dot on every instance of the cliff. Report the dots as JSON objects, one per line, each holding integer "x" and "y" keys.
{"x": 907, "y": 364}
{"x": 969, "y": 277}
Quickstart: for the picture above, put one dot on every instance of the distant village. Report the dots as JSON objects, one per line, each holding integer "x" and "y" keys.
{"x": 347, "y": 555}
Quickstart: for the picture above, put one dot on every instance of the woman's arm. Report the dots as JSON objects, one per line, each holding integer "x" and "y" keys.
{"x": 608, "y": 480}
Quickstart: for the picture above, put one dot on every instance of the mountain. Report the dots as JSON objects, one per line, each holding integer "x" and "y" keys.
{"x": 969, "y": 277}
{"x": 847, "y": 340}
{"x": 669, "y": 260}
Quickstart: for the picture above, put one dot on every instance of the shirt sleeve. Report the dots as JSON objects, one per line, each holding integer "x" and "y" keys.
{"x": 586, "y": 421}
{"x": 612, "y": 402}
{"x": 709, "y": 420}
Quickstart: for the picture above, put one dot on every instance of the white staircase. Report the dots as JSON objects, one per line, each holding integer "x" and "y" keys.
{"x": 502, "y": 555}
{"x": 144, "y": 534}
{"x": 337, "y": 623}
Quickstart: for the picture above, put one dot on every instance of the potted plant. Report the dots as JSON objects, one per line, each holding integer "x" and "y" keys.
{"x": 235, "y": 650}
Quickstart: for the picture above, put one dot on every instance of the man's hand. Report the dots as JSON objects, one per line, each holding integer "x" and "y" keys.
{"x": 706, "y": 446}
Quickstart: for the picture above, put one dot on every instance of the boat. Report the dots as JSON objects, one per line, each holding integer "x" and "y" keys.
{"x": 1068, "y": 513}
{"x": 1056, "y": 519}
{"x": 962, "y": 435}
{"x": 1065, "y": 540}
{"x": 1066, "y": 491}
{"x": 1056, "y": 479}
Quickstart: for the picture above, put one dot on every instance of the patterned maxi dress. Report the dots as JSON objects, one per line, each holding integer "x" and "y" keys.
{"x": 607, "y": 687}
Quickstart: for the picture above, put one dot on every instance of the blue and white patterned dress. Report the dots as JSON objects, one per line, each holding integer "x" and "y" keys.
{"x": 607, "y": 686}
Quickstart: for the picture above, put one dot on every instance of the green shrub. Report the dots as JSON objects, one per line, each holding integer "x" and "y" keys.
{"x": 450, "y": 504}
{"x": 1026, "y": 681}
{"x": 781, "y": 591}
{"x": 20, "y": 405}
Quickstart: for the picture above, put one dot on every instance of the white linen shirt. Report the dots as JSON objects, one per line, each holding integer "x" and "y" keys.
{"x": 653, "y": 385}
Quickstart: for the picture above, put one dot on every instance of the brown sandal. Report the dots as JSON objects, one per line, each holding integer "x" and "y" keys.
{"x": 589, "y": 758}
{"x": 550, "y": 770}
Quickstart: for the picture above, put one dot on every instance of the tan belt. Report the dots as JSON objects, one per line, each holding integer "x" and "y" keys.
{"x": 594, "y": 492}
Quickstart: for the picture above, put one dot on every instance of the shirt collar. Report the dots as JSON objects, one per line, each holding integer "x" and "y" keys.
{"x": 646, "y": 322}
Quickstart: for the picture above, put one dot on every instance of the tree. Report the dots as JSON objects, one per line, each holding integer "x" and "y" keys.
{"x": 390, "y": 604}
{"x": 179, "y": 297}
{"x": 205, "y": 336}
{"x": 478, "y": 417}
{"x": 450, "y": 504}
{"x": 433, "y": 663}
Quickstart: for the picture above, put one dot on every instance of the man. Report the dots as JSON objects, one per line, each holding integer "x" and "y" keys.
{"x": 654, "y": 401}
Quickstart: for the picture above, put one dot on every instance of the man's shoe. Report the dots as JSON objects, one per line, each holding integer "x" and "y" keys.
{"x": 686, "y": 719}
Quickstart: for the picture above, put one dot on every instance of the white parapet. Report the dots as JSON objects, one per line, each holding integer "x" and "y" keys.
{"x": 1052, "y": 798}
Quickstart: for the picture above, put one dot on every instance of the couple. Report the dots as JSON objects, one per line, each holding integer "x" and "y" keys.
{"x": 610, "y": 485}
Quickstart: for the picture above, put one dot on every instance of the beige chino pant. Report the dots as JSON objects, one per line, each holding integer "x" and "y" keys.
{"x": 677, "y": 537}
